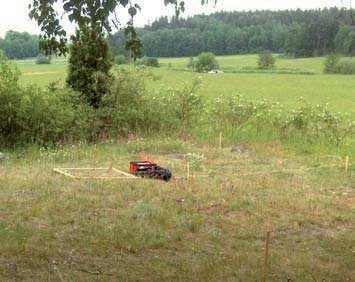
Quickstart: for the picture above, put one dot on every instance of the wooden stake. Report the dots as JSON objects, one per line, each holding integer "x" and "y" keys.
{"x": 266, "y": 258}
{"x": 94, "y": 156}
{"x": 110, "y": 166}
{"x": 346, "y": 163}
{"x": 188, "y": 170}
{"x": 220, "y": 140}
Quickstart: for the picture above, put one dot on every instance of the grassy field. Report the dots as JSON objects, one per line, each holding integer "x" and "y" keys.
{"x": 210, "y": 226}
{"x": 337, "y": 90}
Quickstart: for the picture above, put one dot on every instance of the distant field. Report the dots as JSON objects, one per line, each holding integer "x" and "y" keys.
{"x": 240, "y": 61}
{"x": 337, "y": 90}
{"x": 42, "y": 74}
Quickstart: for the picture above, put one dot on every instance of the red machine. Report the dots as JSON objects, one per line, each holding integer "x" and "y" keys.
{"x": 148, "y": 169}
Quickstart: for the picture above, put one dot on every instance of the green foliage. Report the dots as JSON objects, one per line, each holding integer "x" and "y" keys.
{"x": 299, "y": 33}
{"x": 120, "y": 60}
{"x": 206, "y": 62}
{"x": 17, "y": 45}
{"x": 331, "y": 63}
{"x": 345, "y": 40}
{"x": 175, "y": 109}
{"x": 47, "y": 116}
{"x": 34, "y": 115}
{"x": 93, "y": 14}
{"x": 89, "y": 66}
{"x": 297, "y": 43}
{"x": 317, "y": 123}
{"x": 43, "y": 60}
{"x": 266, "y": 60}
{"x": 123, "y": 108}
{"x": 10, "y": 100}
{"x": 346, "y": 67}
{"x": 186, "y": 104}
{"x": 334, "y": 64}
{"x": 311, "y": 124}
{"x": 150, "y": 62}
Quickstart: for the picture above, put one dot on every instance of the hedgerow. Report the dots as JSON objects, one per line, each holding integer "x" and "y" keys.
{"x": 58, "y": 114}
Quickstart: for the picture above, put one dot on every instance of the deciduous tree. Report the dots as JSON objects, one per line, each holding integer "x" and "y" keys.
{"x": 90, "y": 60}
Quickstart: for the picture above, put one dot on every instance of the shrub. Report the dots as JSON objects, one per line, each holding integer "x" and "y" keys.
{"x": 120, "y": 60}
{"x": 174, "y": 109}
{"x": 346, "y": 67}
{"x": 206, "y": 62}
{"x": 311, "y": 124}
{"x": 10, "y": 101}
{"x": 187, "y": 104}
{"x": 150, "y": 62}
{"x": 331, "y": 63}
{"x": 315, "y": 123}
{"x": 46, "y": 116}
{"x": 89, "y": 66}
{"x": 266, "y": 60}
{"x": 35, "y": 115}
{"x": 123, "y": 108}
{"x": 43, "y": 60}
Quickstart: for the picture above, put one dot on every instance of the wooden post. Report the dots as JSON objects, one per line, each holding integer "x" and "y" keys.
{"x": 266, "y": 257}
{"x": 188, "y": 170}
{"x": 346, "y": 164}
{"x": 110, "y": 166}
{"x": 94, "y": 156}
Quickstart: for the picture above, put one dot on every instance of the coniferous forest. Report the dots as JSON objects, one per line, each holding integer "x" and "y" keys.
{"x": 299, "y": 33}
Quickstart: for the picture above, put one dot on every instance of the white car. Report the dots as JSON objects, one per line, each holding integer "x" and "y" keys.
{"x": 215, "y": 71}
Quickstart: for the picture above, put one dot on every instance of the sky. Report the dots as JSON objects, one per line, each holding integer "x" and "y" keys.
{"x": 14, "y": 13}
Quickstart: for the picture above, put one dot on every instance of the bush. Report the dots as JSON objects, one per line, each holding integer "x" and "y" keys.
{"x": 35, "y": 115}
{"x": 43, "y": 60}
{"x": 346, "y": 67}
{"x": 123, "y": 108}
{"x": 206, "y": 62}
{"x": 121, "y": 60}
{"x": 150, "y": 62}
{"x": 312, "y": 124}
{"x": 10, "y": 101}
{"x": 266, "y": 60}
{"x": 331, "y": 63}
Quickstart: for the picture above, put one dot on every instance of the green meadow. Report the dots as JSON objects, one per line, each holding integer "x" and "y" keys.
{"x": 315, "y": 87}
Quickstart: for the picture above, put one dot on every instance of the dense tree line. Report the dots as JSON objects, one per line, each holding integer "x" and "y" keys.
{"x": 19, "y": 45}
{"x": 296, "y": 32}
